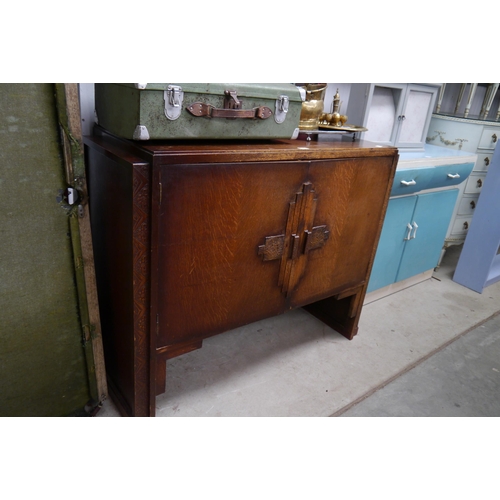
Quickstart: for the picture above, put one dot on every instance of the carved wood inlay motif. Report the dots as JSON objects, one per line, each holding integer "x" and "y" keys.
{"x": 299, "y": 238}
{"x": 273, "y": 247}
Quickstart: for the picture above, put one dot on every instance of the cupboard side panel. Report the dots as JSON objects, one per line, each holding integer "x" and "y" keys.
{"x": 116, "y": 225}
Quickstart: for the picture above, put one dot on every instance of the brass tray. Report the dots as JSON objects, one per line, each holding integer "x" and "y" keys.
{"x": 344, "y": 128}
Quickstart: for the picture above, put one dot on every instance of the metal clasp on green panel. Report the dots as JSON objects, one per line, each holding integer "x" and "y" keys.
{"x": 174, "y": 97}
{"x": 281, "y": 108}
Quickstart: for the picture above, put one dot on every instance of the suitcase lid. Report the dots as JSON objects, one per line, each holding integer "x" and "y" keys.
{"x": 254, "y": 90}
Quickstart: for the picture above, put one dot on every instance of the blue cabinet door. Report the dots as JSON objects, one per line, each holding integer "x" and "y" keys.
{"x": 392, "y": 242}
{"x": 430, "y": 222}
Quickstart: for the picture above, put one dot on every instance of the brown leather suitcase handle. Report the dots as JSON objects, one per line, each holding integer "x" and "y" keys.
{"x": 201, "y": 109}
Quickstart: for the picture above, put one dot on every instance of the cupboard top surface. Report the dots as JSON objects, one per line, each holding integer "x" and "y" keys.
{"x": 433, "y": 156}
{"x": 234, "y": 151}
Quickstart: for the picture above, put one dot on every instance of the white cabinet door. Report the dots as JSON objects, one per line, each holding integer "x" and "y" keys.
{"x": 396, "y": 114}
{"x": 384, "y": 108}
{"x": 415, "y": 116}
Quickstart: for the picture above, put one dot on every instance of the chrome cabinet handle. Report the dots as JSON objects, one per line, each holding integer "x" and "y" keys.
{"x": 479, "y": 183}
{"x": 473, "y": 204}
{"x": 409, "y": 226}
{"x": 487, "y": 161}
{"x": 454, "y": 176}
{"x": 494, "y": 137}
{"x": 415, "y": 227}
{"x": 409, "y": 183}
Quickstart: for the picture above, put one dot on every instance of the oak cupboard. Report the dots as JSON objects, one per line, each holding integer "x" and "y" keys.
{"x": 193, "y": 239}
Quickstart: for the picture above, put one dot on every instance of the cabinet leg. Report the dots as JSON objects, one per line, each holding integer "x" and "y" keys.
{"x": 443, "y": 251}
{"x": 342, "y": 314}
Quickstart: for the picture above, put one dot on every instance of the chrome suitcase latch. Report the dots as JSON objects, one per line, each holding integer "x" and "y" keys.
{"x": 173, "y": 101}
{"x": 281, "y": 108}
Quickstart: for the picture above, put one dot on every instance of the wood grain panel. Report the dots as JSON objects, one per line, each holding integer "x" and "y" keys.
{"x": 120, "y": 211}
{"x": 350, "y": 204}
{"x": 212, "y": 221}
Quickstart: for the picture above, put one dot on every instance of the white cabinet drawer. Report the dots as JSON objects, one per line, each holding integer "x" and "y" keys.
{"x": 467, "y": 204}
{"x": 489, "y": 138}
{"x": 483, "y": 162}
{"x": 474, "y": 183}
{"x": 461, "y": 226}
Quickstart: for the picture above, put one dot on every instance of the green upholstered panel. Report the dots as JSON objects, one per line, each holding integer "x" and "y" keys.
{"x": 42, "y": 361}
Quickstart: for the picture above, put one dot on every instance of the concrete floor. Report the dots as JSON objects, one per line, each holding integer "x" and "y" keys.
{"x": 423, "y": 351}
{"x": 460, "y": 380}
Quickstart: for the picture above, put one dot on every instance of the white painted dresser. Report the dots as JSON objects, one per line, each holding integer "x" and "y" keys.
{"x": 471, "y": 135}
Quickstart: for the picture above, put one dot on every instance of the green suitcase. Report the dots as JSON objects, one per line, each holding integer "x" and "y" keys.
{"x": 199, "y": 110}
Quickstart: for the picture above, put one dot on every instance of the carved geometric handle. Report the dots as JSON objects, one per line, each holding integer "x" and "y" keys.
{"x": 316, "y": 238}
{"x": 273, "y": 247}
{"x": 298, "y": 240}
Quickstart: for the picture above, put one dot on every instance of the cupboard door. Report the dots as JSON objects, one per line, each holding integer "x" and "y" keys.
{"x": 212, "y": 219}
{"x": 350, "y": 203}
{"x": 432, "y": 217}
{"x": 238, "y": 242}
{"x": 383, "y": 110}
{"x": 416, "y": 115}
{"x": 392, "y": 242}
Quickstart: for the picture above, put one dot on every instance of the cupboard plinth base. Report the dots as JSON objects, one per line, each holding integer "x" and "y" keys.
{"x": 341, "y": 314}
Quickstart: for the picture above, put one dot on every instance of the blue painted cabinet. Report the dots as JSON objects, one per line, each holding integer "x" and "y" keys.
{"x": 412, "y": 236}
{"x": 392, "y": 242}
{"x": 432, "y": 215}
